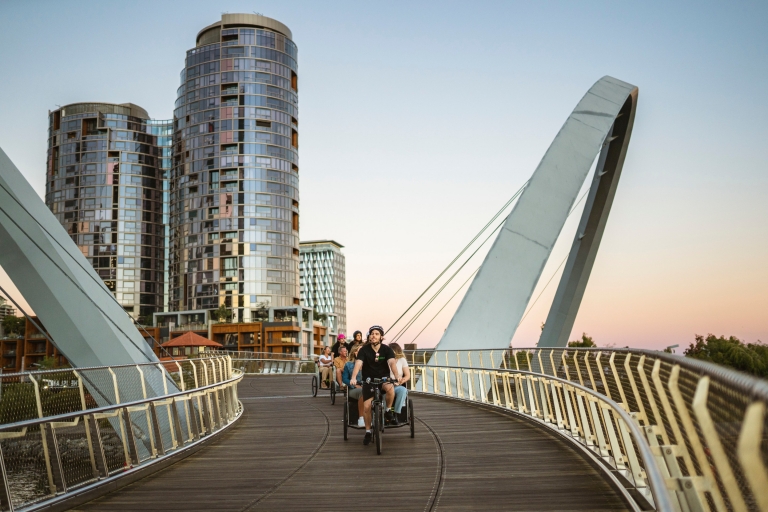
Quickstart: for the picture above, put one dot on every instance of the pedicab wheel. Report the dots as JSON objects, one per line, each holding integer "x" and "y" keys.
{"x": 346, "y": 419}
{"x": 314, "y": 385}
{"x": 382, "y": 420}
{"x": 377, "y": 429}
{"x": 411, "y": 419}
{"x": 333, "y": 393}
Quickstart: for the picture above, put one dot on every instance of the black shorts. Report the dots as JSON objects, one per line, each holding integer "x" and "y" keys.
{"x": 368, "y": 389}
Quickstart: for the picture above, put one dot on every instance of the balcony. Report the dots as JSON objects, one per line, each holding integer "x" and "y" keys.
{"x": 194, "y": 326}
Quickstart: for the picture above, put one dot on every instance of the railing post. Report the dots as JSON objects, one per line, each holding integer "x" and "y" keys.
{"x": 641, "y": 415}
{"x": 186, "y": 407}
{"x": 558, "y": 417}
{"x": 576, "y": 365}
{"x": 150, "y": 430}
{"x": 589, "y": 371}
{"x": 133, "y": 452}
{"x": 88, "y": 439}
{"x": 618, "y": 382}
{"x": 44, "y": 437}
{"x": 165, "y": 377}
{"x": 158, "y": 447}
{"x": 177, "y": 422}
{"x": 589, "y": 439}
{"x": 563, "y": 356}
{"x": 5, "y": 490}
{"x": 749, "y": 453}
{"x": 100, "y": 457}
{"x": 568, "y": 395}
{"x": 126, "y": 451}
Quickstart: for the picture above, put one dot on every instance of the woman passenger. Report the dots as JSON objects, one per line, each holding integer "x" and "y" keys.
{"x": 355, "y": 393}
{"x": 325, "y": 362}
{"x": 404, "y": 375}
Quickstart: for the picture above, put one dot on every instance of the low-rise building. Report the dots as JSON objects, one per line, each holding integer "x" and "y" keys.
{"x": 26, "y": 352}
{"x": 322, "y": 280}
{"x": 189, "y": 344}
{"x": 286, "y": 330}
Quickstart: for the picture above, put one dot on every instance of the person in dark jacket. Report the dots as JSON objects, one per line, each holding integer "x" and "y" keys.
{"x": 342, "y": 342}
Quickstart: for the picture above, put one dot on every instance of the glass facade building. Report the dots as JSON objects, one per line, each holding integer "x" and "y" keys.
{"x": 104, "y": 182}
{"x": 323, "y": 280}
{"x": 234, "y": 182}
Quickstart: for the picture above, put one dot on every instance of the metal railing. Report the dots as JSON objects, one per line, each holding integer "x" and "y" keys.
{"x": 251, "y": 363}
{"x": 66, "y": 431}
{"x": 700, "y": 427}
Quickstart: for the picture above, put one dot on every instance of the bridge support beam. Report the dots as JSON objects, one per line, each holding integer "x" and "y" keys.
{"x": 80, "y": 313}
{"x": 495, "y": 303}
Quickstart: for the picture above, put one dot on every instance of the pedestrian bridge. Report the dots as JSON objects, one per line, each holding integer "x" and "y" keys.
{"x": 527, "y": 429}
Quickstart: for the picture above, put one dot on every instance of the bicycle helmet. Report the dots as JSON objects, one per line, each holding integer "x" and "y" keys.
{"x": 376, "y": 328}
{"x": 341, "y": 336}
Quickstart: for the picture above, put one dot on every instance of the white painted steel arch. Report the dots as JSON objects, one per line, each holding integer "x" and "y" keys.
{"x": 495, "y": 303}
{"x": 80, "y": 313}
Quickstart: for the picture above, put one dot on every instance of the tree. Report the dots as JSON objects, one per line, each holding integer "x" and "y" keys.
{"x": 751, "y": 358}
{"x": 14, "y": 325}
{"x": 585, "y": 342}
{"x": 223, "y": 314}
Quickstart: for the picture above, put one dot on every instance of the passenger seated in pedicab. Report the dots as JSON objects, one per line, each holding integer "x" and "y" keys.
{"x": 402, "y": 377}
{"x": 338, "y": 365}
{"x": 355, "y": 392}
{"x": 341, "y": 342}
{"x": 325, "y": 363}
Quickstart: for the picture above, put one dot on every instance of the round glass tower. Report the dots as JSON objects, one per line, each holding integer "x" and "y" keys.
{"x": 234, "y": 191}
{"x": 104, "y": 183}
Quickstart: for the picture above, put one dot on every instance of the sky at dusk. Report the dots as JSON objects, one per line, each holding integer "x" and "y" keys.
{"x": 419, "y": 120}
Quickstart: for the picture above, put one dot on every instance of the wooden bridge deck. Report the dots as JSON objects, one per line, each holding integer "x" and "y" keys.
{"x": 288, "y": 453}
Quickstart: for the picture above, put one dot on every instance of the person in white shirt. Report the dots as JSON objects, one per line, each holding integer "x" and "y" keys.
{"x": 403, "y": 376}
{"x": 325, "y": 362}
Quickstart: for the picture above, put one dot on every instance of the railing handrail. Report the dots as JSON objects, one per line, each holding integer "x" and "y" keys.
{"x": 83, "y": 368}
{"x": 750, "y": 384}
{"x": 107, "y": 408}
{"x": 655, "y": 477}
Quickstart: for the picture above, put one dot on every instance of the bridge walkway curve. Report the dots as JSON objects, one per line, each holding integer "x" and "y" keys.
{"x": 288, "y": 453}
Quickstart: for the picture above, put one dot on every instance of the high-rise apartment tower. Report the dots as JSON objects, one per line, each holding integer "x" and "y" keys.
{"x": 323, "y": 280}
{"x": 234, "y": 193}
{"x": 104, "y": 182}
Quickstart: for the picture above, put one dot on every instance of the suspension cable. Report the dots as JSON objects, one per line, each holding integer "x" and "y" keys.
{"x": 473, "y": 273}
{"x": 462, "y": 252}
{"x": 446, "y": 303}
{"x": 425, "y": 306}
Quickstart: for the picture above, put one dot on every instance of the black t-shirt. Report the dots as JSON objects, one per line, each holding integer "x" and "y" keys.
{"x": 375, "y": 365}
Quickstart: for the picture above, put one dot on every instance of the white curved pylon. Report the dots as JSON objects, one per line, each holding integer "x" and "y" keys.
{"x": 75, "y": 307}
{"x": 493, "y": 307}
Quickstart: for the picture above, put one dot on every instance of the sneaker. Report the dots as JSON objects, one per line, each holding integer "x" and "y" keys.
{"x": 390, "y": 418}
{"x": 361, "y": 422}
{"x": 367, "y": 438}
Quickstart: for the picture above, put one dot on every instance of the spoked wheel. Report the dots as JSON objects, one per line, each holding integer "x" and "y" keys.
{"x": 411, "y": 418}
{"x": 378, "y": 427}
{"x": 381, "y": 418}
{"x": 346, "y": 420}
{"x": 314, "y": 385}
{"x": 333, "y": 393}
